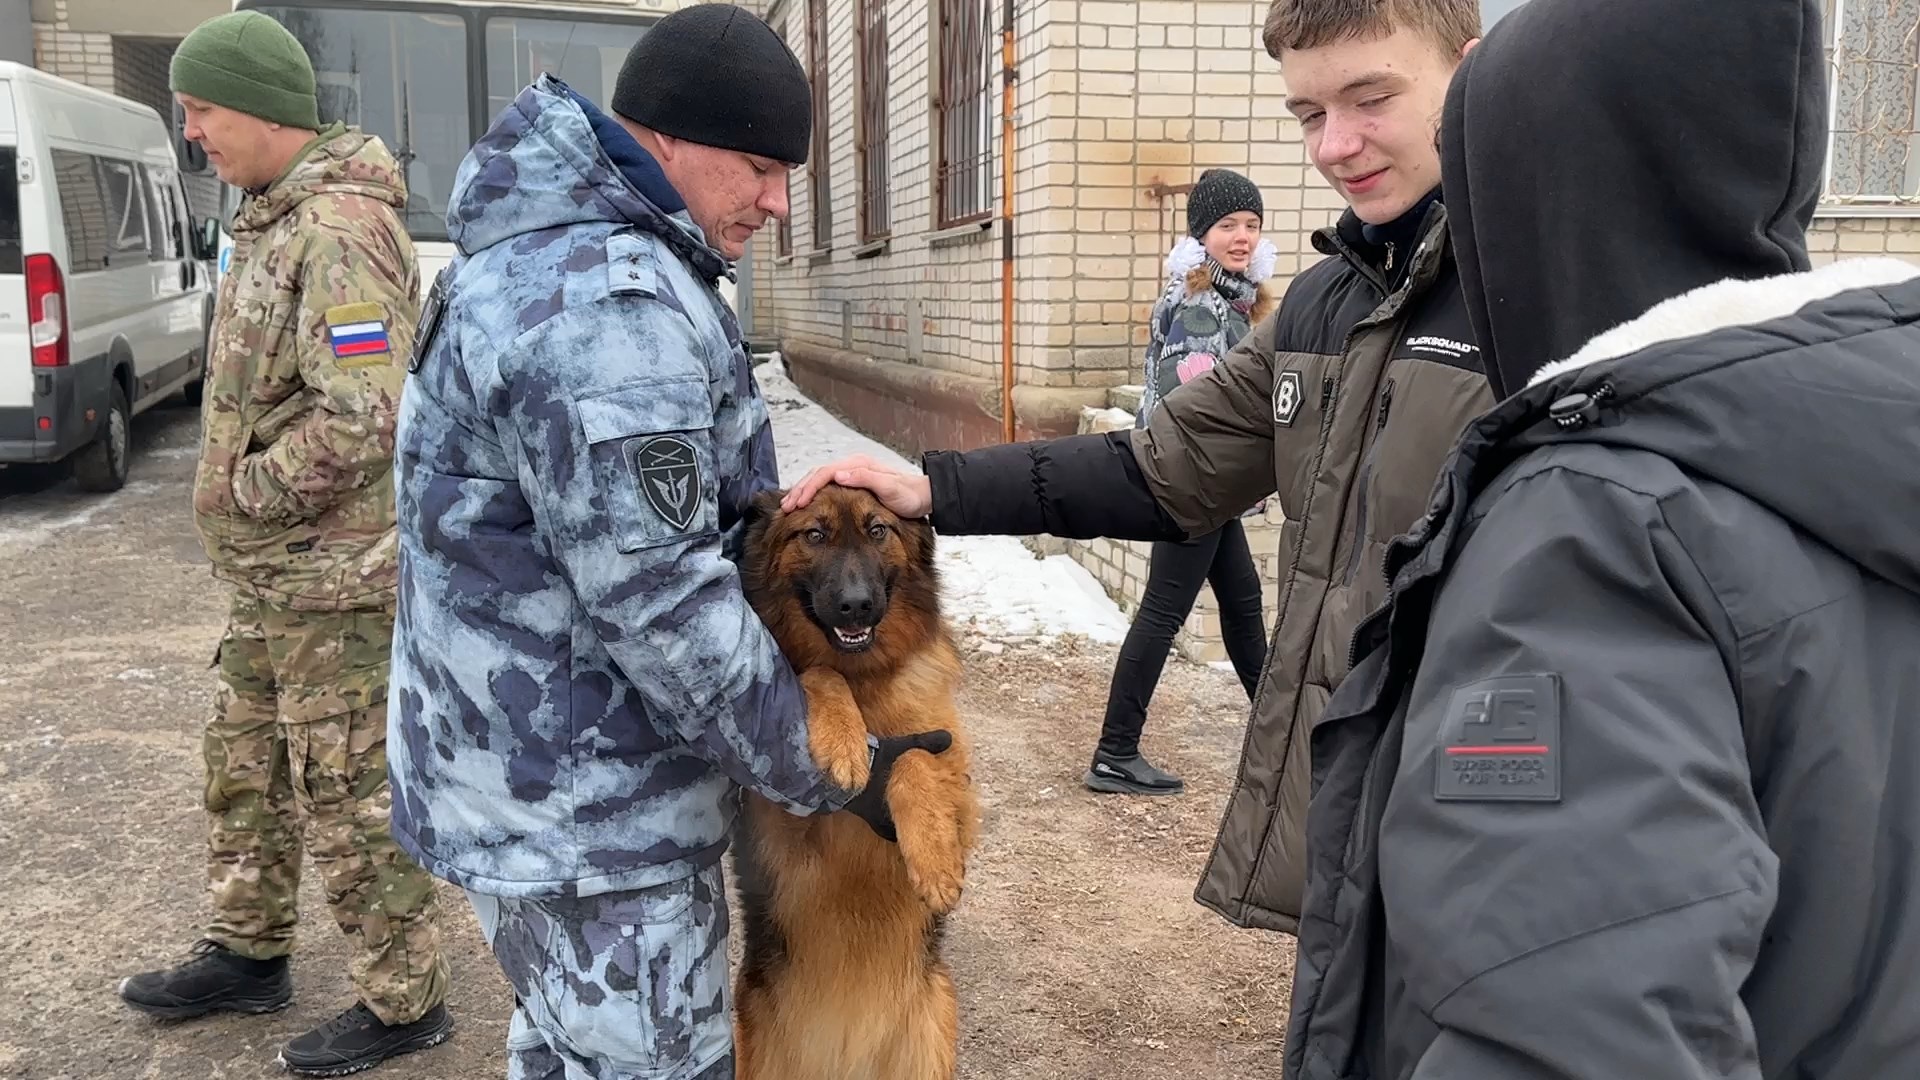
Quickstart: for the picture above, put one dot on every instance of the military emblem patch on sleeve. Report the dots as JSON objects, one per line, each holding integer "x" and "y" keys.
{"x": 358, "y": 334}
{"x": 668, "y": 472}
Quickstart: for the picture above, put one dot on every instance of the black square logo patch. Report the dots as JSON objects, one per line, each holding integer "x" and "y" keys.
{"x": 668, "y": 472}
{"x": 1501, "y": 742}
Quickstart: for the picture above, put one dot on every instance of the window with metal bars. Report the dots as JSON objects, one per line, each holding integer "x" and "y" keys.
{"x": 780, "y": 17}
{"x": 820, "y": 163}
{"x": 1873, "y": 70}
{"x": 963, "y": 114}
{"x": 870, "y": 137}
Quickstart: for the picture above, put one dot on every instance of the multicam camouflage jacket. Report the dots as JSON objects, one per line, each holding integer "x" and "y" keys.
{"x": 578, "y": 683}
{"x": 294, "y": 493}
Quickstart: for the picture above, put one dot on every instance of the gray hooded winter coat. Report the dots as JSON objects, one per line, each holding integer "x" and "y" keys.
{"x": 1625, "y": 782}
{"x": 1630, "y": 767}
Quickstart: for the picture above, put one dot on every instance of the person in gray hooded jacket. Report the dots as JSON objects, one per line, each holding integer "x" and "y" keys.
{"x": 1626, "y": 779}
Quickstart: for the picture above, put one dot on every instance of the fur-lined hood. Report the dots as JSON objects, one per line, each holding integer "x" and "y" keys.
{"x": 1801, "y": 391}
{"x": 1188, "y": 262}
{"x": 1731, "y": 303}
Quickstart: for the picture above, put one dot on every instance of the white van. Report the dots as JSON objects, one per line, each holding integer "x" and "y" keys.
{"x": 106, "y": 286}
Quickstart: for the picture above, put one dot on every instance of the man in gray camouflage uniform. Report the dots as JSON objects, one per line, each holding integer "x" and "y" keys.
{"x": 581, "y": 690}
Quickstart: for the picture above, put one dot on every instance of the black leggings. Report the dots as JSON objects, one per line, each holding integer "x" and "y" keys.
{"x": 1174, "y": 577}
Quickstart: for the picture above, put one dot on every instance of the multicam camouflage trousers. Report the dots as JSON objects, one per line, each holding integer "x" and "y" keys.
{"x": 300, "y": 731}
{"x": 617, "y": 986}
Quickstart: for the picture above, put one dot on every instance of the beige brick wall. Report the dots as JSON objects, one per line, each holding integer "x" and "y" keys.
{"x": 1166, "y": 90}
{"x": 948, "y": 288}
{"x": 1109, "y": 102}
{"x": 1850, "y": 237}
{"x": 84, "y": 58}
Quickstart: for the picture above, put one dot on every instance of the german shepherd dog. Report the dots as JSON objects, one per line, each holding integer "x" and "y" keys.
{"x": 842, "y": 977}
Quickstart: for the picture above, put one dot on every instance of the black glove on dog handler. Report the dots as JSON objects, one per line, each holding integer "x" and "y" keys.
{"x": 871, "y": 804}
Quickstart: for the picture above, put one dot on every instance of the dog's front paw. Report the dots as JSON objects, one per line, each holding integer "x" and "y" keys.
{"x": 936, "y": 871}
{"x": 923, "y": 798}
{"x": 836, "y": 734}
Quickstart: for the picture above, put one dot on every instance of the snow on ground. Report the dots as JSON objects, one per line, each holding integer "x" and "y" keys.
{"x": 992, "y": 586}
{"x": 21, "y": 529}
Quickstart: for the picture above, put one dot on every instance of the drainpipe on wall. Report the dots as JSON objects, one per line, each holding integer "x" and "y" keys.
{"x": 1008, "y": 76}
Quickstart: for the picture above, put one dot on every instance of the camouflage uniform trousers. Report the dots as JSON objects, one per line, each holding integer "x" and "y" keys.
{"x": 299, "y": 731}
{"x": 618, "y": 986}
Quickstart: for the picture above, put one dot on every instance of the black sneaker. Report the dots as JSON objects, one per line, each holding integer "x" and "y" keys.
{"x": 356, "y": 1040}
{"x": 216, "y": 979}
{"x": 1130, "y": 775}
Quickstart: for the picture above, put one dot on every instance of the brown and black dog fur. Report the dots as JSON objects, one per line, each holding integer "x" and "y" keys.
{"x": 842, "y": 977}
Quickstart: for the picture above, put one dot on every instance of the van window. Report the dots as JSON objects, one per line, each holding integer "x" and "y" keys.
{"x": 127, "y": 207}
{"x": 106, "y": 211}
{"x": 163, "y": 201}
{"x": 10, "y": 254}
{"x": 85, "y": 209}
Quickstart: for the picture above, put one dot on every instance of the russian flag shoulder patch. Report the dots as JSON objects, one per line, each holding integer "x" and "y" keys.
{"x": 358, "y": 332}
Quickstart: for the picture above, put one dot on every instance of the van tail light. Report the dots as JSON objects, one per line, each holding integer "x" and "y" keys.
{"x": 46, "y": 311}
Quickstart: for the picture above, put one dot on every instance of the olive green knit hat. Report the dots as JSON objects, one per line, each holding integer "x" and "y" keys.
{"x": 249, "y": 63}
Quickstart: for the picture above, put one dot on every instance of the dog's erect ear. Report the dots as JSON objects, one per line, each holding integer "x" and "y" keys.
{"x": 762, "y": 511}
{"x": 763, "y": 508}
{"x": 920, "y": 540}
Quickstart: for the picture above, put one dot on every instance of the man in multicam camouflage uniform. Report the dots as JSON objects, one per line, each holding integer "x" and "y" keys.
{"x": 580, "y": 688}
{"x": 294, "y": 502}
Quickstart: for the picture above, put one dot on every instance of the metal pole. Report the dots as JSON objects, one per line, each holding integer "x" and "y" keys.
{"x": 1006, "y": 223}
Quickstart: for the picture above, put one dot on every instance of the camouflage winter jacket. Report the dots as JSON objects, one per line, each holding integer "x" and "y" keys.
{"x": 294, "y": 493}
{"x": 578, "y": 683}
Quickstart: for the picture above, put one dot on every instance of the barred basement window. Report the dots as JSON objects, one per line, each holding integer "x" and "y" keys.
{"x": 963, "y": 115}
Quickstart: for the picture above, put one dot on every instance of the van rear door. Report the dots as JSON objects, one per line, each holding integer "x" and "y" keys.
{"x": 16, "y": 353}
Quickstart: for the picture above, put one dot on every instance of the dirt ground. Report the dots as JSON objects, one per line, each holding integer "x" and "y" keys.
{"x": 1078, "y": 949}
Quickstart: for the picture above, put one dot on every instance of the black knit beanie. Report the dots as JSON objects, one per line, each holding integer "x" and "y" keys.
{"x": 715, "y": 74}
{"x": 1220, "y": 192}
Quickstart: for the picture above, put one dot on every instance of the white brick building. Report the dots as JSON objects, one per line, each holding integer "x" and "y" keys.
{"x": 892, "y": 316}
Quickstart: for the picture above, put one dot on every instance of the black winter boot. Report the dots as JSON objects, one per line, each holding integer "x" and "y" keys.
{"x": 357, "y": 1039}
{"x": 216, "y": 979}
{"x": 1130, "y": 775}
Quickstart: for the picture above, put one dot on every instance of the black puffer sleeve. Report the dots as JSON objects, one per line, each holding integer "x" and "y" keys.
{"x": 1077, "y": 487}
